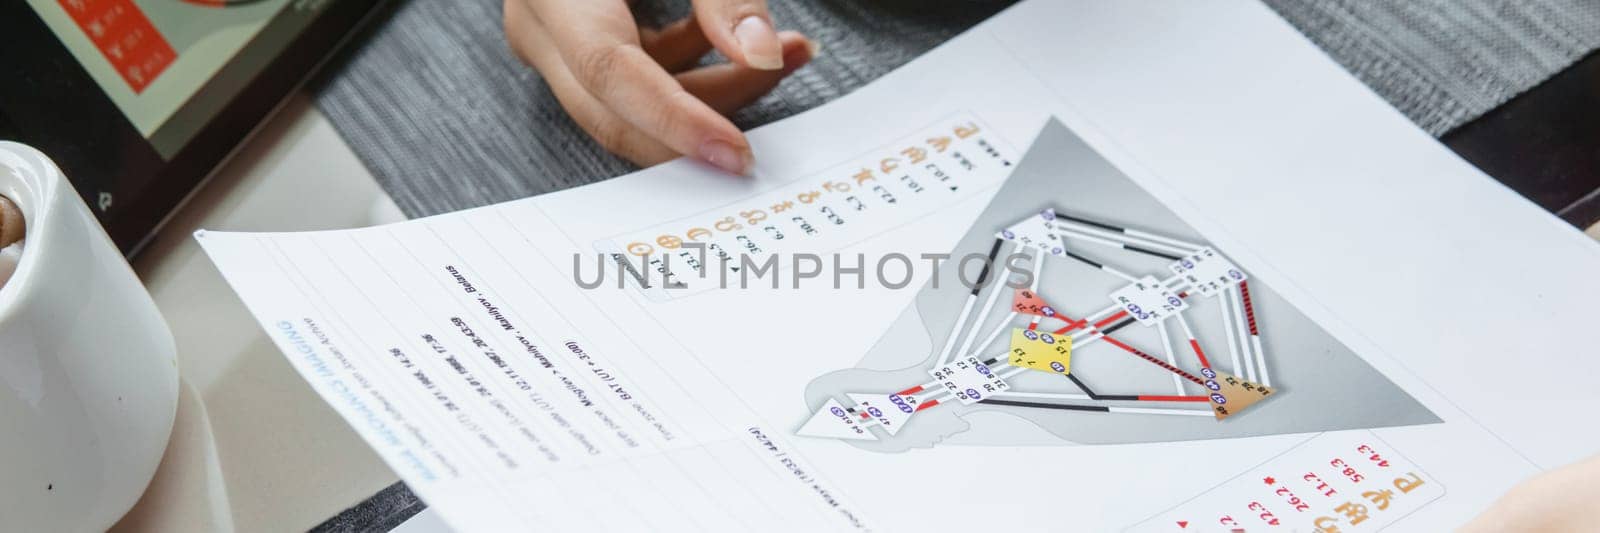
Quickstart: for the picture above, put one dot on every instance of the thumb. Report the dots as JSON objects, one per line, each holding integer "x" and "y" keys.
{"x": 741, "y": 30}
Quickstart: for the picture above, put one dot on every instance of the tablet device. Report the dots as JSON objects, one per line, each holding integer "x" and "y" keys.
{"x": 139, "y": 100}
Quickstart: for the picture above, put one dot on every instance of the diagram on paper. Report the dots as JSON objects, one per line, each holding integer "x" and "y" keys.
{"x": 1124, "y": 326}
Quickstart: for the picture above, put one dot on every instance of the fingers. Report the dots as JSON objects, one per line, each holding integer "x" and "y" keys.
{"x": 533, "y": 45}
{"x": 612, "y": 132}
{"x": 729, "y": 87}
{"x": 677, "y": 47}
{"x": 612, "y": 78}
{"x": 600, "y": 46}
{"x": 1556, "y": 500}
{"x": 741, "y": 30}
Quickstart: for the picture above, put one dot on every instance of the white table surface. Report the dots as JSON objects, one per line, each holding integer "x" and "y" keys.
{"x": 253, "y": 448}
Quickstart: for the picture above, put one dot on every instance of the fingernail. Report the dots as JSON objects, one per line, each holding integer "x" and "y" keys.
{"x": 759, "y": 43}
{"x": 725, "y": 156}
{"x": 802, "y": 53}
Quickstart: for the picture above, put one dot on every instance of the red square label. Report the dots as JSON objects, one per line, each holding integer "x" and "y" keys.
{"x": 125, "y": 37}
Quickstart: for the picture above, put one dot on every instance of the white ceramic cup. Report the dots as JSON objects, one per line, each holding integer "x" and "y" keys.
{"x": 88, "y": 369}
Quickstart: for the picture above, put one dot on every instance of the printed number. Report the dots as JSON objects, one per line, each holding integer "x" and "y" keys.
{"x": 1266, "y": 516}
{"x": 832, "y": 216}
{"x": 884, "y": 194}
{"x": 901, "y": 403}
{"x": 804, "y": 226}
{"x": 1373, "y": 455}
{"x": 1289, "y": 497}
{"x": 1347, "y": 470}
{"x": 749, "y": 245}
{"x": 911, "y": 183}
{"x": 1320, "y": 485}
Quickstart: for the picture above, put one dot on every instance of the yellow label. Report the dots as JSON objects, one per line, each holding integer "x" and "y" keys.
{"x": 1041, "y": 350}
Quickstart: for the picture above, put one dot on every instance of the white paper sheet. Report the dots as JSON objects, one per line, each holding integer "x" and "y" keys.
{"x": 625, "y": 409}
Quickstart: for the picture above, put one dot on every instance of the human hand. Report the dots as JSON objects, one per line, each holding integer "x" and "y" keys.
{"x": 639, "y": 92}
{"x": 1556, "y": 500}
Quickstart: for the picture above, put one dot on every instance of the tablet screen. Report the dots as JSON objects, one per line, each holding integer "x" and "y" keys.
{"x": 165, "y": 63}
{"x": 138, "y": 100}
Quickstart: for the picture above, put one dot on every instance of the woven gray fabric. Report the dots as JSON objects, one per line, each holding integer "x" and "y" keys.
{"x": 446, "y": 118}
{"x": 1444, "y": 62}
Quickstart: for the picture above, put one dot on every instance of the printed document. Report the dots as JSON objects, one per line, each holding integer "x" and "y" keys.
{"x": 1091, "y": 266}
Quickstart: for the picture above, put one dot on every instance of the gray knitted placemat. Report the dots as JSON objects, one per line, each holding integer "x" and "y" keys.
{"x": 446, "y": 118}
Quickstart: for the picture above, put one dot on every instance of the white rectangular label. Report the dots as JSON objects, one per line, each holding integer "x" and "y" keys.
{"x": 1208, "y": 272}
{"x": 1148, "y": 301}
{"x": 1345, "y": 481}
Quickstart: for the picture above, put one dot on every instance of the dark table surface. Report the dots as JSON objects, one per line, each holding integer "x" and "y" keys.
{"x": 1545, "y": 143}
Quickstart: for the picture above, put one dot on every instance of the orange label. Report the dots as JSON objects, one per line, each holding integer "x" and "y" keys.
{"x": 125, "y": 37}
